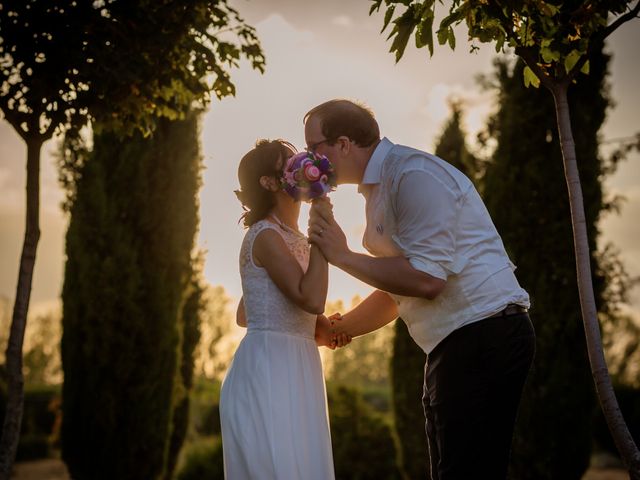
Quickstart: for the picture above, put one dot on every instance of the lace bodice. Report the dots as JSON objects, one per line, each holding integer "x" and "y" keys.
{"x": 266, "y": 307}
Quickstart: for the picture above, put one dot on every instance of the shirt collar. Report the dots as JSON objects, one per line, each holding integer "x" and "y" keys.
{"x": 374, "y": 166}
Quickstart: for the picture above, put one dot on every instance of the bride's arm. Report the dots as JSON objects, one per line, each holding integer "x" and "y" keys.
{"x": 307, "y": 290}
{"x": 241, "y": 319}
{"x": 374, "y": 312}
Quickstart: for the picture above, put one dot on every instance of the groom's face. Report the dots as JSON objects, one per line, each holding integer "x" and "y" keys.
{"x": 318, "y": 143}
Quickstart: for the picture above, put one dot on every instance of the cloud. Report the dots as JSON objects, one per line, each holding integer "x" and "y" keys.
{"x": 476, "y": 106}
{"x": 342, "y": 21}
{"x": 12, "y": 197}
{"x": 4, "y": 177}
{"x": 276, "y": 33}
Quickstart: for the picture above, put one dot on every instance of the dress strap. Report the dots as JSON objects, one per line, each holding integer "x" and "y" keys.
{"x": 263, "y": 225}
{"x": 286, "y": 227}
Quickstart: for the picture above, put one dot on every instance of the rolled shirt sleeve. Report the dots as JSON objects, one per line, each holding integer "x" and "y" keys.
{"x": 426, "y": 212}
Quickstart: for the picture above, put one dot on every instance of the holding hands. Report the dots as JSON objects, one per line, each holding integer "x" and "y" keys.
{"x": 340, "y": 339}
{"x": 326, "y": 234}
{"x": 326, "y": 335}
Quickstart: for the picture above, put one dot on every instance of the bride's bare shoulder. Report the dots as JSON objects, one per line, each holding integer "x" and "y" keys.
{"x": 268, "y": 241}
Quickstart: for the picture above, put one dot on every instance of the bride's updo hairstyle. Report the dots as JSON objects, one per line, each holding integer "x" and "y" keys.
{"x": 267, "y": 158}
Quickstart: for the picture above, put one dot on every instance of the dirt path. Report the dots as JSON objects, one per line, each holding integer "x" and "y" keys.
{"x": 49, "y": 469}
{"x": 53, "y": 469}
{"x": 605, "y": 474}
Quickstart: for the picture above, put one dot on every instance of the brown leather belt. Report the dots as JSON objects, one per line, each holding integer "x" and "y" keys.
{"x": 511, "y": 309}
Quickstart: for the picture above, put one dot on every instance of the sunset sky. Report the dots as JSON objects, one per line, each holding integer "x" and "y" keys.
{"x": 317, "y": 51}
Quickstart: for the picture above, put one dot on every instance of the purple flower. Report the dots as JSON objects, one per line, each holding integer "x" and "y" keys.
{"x": 293, "y": 191}
{"x": 325, "y": 164}
{"x": 307, "y": 176}
{"x": 317, "y": 190}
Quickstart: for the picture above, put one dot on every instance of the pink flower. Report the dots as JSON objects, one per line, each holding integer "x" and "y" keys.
{"x": 290, "y": 177}
{"x": 307, "y": 176}
{"x": 311, "y": 172}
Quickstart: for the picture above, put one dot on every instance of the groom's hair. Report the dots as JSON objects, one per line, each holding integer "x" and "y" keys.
{"x": 343, "y": 117}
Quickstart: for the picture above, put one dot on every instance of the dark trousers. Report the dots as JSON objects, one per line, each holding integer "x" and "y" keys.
{"x": 472, "y": 387}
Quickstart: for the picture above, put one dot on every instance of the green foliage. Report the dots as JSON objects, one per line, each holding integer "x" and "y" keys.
{"x": 362, "y": 442}
{"x": 629, "y": 400}
{"x": 39, "y": 432}
{"x": 452, "y": 145}
{"x": 42, "y": 404}
{"x": 189, "y": 324}
{"x": 525, "y": 192}
{"x": 216, "y": 347}
{"x": 5, "y": 322}
{"x": 553, "y": 38}
{"x": 205, "y": 411}
{"x": 129, "y": 316}
{"x": 620, "y": 337}
{"x": 363, "y": 446}
{"x": 121, "y": 64}
{"x": 207, "y": 421}
{"x": 42, "y": 349}
{"x": 32, "y": 447}
{"x": 407, "y": 379}
{"x": 203, "y": 459}
{"x": 364, "y": 363}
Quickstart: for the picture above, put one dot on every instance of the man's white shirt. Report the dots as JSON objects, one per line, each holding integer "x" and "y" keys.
{"x": 421, "y": 207}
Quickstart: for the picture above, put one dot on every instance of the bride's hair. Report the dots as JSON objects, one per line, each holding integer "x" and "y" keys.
{"x": 262, "y": 160}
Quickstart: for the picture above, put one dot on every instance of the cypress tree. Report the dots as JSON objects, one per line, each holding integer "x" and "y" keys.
{"x": 129, "y": 267}
{"x": 407, "y": 363}
{"x": 452, "y": 145}
{"x": 407, "y": 378}
{"x": 526, "y": 194}
{"x": 192, "y": 312}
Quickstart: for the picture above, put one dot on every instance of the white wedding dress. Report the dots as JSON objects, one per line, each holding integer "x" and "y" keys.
{"x": 273, "y": 404}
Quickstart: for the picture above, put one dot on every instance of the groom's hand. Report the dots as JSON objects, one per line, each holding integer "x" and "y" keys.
{"x": 325, "y": 232}
{"x": 340, "y": 339}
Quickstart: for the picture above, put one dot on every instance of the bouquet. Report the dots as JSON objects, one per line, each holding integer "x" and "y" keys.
{"x": 308, "y": 175}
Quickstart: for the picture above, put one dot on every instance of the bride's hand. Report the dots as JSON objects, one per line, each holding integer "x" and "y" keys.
{"x": 324, "y": 232}
{"x": 321, "y": 208}
{"x": 324, "y": 334}
{"x": 321, "y": 211}
{"x": 340, "y": 339}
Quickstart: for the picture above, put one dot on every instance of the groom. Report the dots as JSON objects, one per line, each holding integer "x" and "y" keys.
{"x": 438, "y": 262}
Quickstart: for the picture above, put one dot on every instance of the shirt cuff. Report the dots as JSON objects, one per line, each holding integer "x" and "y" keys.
{"x": 428, "y": 267}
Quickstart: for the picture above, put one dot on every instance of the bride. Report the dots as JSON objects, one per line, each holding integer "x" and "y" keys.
{"x": 273, "y": 406}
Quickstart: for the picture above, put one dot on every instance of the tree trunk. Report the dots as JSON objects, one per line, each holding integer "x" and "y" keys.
{"x": 407, "y": 379}
{"x": 15, "y": 380}
{"x": 617, "y": 426}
